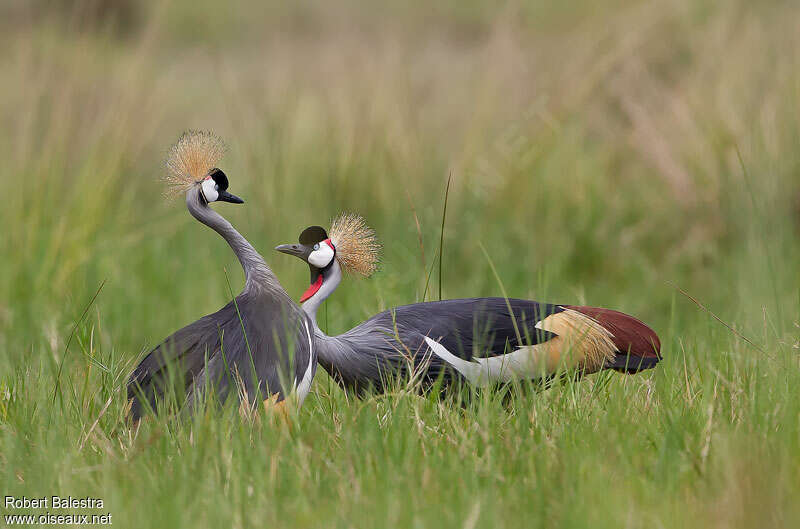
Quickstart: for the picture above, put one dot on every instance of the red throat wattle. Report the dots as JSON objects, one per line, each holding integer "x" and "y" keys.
{"x": 312, "y": 289}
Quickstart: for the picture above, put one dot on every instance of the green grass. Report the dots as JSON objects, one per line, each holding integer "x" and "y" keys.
{"x": 598, "y": 156}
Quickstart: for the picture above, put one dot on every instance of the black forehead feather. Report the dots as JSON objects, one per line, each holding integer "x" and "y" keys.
{"x": 220, "y": 178}
{"x": 313, "y": 235}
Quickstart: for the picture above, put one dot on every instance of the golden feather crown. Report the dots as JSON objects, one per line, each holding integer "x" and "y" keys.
{"x": 357, "y": 248}
{"x": 191, "y": 158}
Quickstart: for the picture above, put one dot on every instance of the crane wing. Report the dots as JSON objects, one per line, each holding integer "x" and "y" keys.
{"x": 272, "y": 356}
{"x": 477, "y": 327}
{"x": 394, "y": 341}
{"x": 488, "y": 339}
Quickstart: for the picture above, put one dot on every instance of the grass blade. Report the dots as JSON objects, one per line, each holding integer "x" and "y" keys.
{"x": 441, "y": 234}
{"x": 57, "y": 388}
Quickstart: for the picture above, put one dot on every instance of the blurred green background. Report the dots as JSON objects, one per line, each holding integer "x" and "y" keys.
{"x": 602, "y": 154}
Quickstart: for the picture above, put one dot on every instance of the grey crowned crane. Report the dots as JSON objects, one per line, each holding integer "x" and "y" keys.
{"x": 258, "y": 345}
{"x": 481, "y": 340}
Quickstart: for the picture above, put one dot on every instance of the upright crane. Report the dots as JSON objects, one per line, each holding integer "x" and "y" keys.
{"x": 481, "y": 340}
{"x": 260, "y": 345}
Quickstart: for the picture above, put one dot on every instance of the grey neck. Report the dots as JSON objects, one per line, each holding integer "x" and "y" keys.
{"x": 354, "y": 358}
{"x": 257, "y": 274}
{"x": 331, "y": 278}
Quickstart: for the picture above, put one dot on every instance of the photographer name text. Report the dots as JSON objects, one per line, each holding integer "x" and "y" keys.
{"x": 52, "y": 502}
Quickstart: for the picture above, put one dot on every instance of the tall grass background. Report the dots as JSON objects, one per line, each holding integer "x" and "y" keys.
{"x": 601, "y": 155}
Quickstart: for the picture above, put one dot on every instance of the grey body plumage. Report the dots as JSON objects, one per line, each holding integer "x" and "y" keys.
{"x": 258, "y": 345}
{"x": 393, "y": 342}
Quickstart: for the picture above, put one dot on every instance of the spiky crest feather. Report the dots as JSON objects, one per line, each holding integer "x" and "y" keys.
{"x": 190, "y": 160}
{"x": 357, "y": 248}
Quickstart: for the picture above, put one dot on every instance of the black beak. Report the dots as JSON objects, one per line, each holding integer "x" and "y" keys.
{"x": 298, "y": 250}
{"x": 224, "y": 196}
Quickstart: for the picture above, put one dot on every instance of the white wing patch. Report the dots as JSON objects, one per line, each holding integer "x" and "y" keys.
{"x": 580, "y": 341}
{"x": 305, "y": 385}
{"x": 469, "y": 370}
{"x": 524, "y": 362}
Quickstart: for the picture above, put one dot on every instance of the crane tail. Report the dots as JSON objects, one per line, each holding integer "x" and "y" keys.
{"x": 586, "y": 338}
{"x": 637, "y": 345}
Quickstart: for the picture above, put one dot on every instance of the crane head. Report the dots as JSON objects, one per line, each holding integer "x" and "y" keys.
{"x": 215, "y": 188}
{"x": 351, "y": 244}
{"x": 192, "y": 162}
{"x": 315, "y": 248}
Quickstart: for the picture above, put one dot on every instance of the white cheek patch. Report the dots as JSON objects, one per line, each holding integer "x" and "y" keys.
{"x": 322, "y": 257}
{"x": 209, "y": 188}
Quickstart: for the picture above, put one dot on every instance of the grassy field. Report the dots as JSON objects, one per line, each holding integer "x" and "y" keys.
{"x": 600, "y": 156}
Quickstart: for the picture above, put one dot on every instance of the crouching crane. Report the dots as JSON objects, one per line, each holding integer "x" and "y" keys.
{"x": 481, "y": 340}
{"x": 258, "y": 345}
